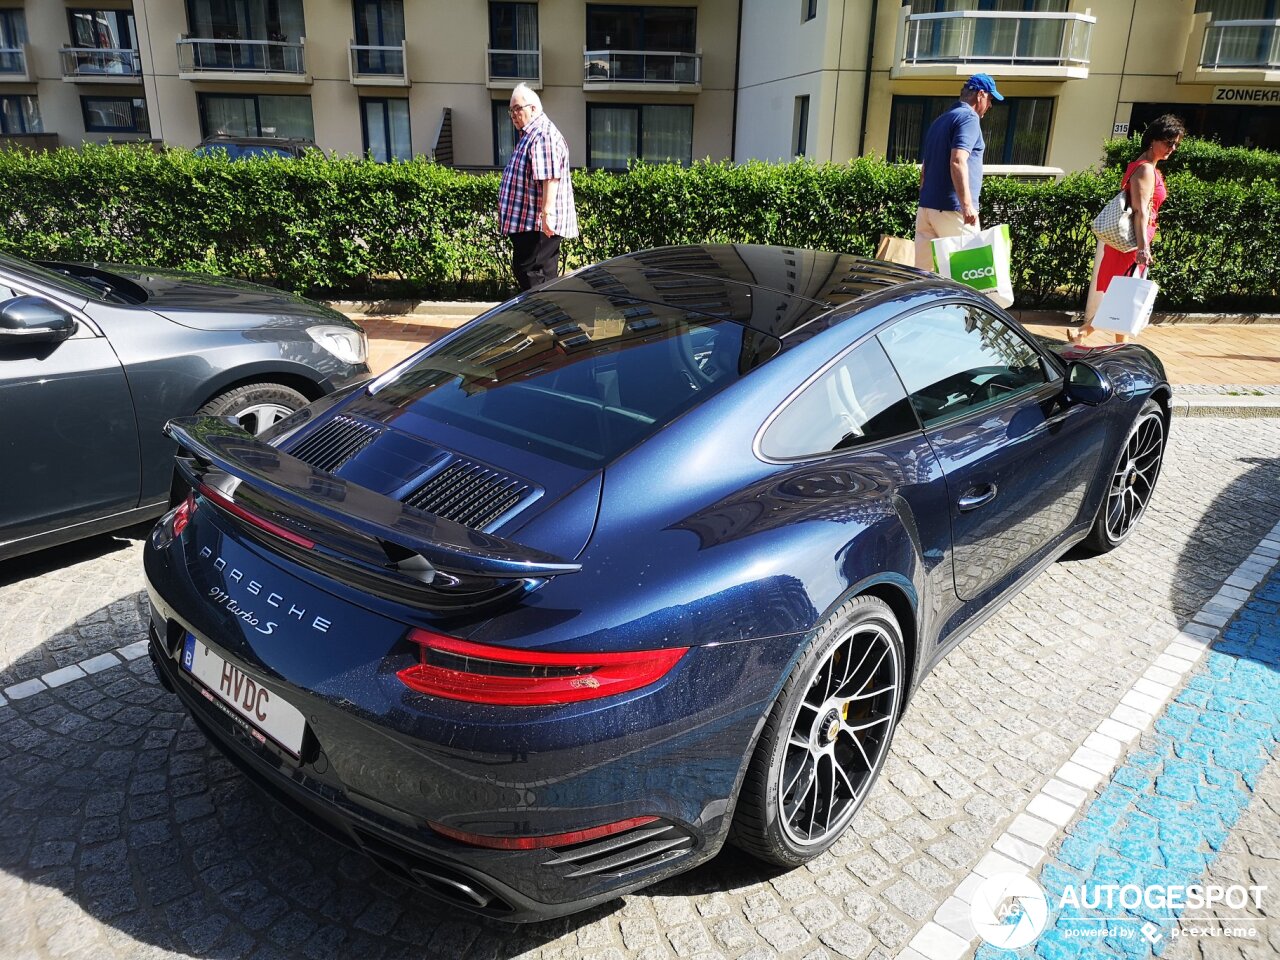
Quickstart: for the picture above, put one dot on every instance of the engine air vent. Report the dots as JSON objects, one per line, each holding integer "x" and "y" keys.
{"x": 637, "y": 849}
{"x": 334, "y": 443}
{"x": 468, "y": 493}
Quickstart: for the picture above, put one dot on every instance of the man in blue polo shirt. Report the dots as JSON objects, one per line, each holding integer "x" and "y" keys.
{"x": 951, "y": 171}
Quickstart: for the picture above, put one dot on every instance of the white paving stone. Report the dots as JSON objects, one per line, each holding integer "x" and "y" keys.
{"x": 1115, "y": 730}
{"x": 935, "y": 942}
{"x": 1161, "y": 675}
{"x": 56, "y": 678}
{"x": 1047, "y": 808}
{"x": 98, "y": 664}
{"x": 1065, "y": 792}
{"x": 1142, "y": 702}
{"x": 1081, "y": 776}
{"x": 134, "y": 650}
{"x": 1093, "y": 760}
{"x": 956, "y": 915}
{"x": 1160, "y": 691}
{"x": 20, "y": 691}
{"x": 1107, "y": 746}
{"x": 1033, "y": 829}
{"x": 1018, "y": 849}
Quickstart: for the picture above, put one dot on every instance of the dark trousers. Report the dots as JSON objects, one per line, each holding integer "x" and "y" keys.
{"x": 535, "y": 258}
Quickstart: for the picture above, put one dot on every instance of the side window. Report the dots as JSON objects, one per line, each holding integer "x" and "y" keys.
{"x": 858, "y": 401}
{"x": 956, "y": 358}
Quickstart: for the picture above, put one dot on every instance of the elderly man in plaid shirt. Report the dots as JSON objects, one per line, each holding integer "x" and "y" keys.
{"x": 535, "y": 201}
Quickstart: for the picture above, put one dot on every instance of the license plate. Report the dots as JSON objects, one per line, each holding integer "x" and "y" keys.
{"x": 266, "y": 712}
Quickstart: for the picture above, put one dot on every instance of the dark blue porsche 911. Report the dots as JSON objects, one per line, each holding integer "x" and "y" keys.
{"x": 644, "y": 560}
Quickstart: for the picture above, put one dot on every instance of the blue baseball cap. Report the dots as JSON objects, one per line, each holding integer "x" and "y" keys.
{"x": 983, "y": 82}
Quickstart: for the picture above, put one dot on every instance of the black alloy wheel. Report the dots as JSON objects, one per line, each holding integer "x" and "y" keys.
{"x": 826, "y": 737}
{"x": 1132, "y": 482}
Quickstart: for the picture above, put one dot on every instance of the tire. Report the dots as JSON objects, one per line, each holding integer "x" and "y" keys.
{"x": 813, "y": 767}
{"x": 256, "y": 406}
{"x": 1132, "y": 481}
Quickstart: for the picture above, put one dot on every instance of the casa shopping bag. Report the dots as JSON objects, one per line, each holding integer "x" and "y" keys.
{"x": 978, "y": 260}
{"x": 1126, "y": 304}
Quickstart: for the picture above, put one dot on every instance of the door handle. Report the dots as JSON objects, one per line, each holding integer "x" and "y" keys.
{"x": 977, "y": 497}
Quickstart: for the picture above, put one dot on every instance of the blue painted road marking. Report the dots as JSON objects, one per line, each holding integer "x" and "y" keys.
{"x": 1168, "y": 810}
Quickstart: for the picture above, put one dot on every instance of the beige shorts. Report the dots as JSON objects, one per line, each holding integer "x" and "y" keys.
{"x": 932, "y": 224}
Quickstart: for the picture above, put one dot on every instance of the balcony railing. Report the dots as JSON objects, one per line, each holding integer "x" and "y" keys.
{"x": 97, "y": 63}
{"x": 641, "y": 67}
{"x": 509, "y": 67}
{"x": 1241, "y": 45}
{"x": 14, "y": 64}
{"x": 241, "y": 59}
{"x": 994, "y": 37}
{"x": 386, "y": 65}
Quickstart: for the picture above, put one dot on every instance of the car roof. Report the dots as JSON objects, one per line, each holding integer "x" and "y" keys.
{"x": 774, "y": 290}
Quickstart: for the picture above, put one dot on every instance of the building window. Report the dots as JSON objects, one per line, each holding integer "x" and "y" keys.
{"x": 1016, "y": 130}
{"x": 255, "y": 115}
{"x": 278, "y": 20}
{"x": 513, "y": 40}
{"x": 380, "y": 26}
{"x": 101, "y": 29}
{"x": 13, "y": 34}
{"x": 657, "y": 133}
{"x": 20, "y": 114}
{"x": 504, "y": 133}
{"x": 115, "y": 115}
{"x": 800, "y": 127}
{"x": 620, "y": 27}
{"x": 808, "y": 10}
{"x": 386, "y": 128}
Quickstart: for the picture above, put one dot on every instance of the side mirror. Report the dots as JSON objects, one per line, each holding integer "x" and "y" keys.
{"x": 34, "y": 320}
{"x": 1086, "y": 384}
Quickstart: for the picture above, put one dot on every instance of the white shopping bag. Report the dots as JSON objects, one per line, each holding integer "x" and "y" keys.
{"x": 1126, "y": 305}
{"x": 978, "y": 260}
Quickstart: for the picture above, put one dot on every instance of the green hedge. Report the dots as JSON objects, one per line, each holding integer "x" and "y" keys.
{"x": 1203, "y": 158}
{"x": 350, "y": 228}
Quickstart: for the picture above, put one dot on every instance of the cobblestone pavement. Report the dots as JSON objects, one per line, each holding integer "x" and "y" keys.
{"x": 123, "y": 834}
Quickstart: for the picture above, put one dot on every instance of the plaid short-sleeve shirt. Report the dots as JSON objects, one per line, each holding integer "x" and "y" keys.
{"x": 540, "y": 154}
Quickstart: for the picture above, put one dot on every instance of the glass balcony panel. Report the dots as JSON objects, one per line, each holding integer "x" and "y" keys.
{"x": 1046, "y": 39}
{"x": 99, "y": 61}
{"x": 240, "y": 56}
{"x": 515, "y": 65}
{"x": 379, "y": 61}
{"x": 1242, "y": 45}
{"x": 12, "y": 61}
{"x": 637, "y": 66}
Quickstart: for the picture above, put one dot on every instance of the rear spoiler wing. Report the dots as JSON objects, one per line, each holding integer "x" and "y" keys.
{"x": 214, "y": 443}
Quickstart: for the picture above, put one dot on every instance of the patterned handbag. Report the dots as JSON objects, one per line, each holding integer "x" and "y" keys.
{"x": 1114, "y": 225}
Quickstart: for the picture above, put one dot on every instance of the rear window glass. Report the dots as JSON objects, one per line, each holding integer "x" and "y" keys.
{"x": 578, "y": 378}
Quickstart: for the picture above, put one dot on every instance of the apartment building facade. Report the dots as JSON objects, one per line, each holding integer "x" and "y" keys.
{"x": 662, "y": 80}
{"x": 853, "y": 77}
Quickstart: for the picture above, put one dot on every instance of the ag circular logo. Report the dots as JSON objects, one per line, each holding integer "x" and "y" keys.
{"x": 1009, "y": 910}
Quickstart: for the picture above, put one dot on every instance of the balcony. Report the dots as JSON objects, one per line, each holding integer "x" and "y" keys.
{"x": 379, "y": 66}
{"x": 509, "y": 67}
{"x": 15, "y": 65}
{"x": 1232, "y": 51}
{"x": 100, "y": 65}
{"x": 648, "y": 70}
{"x": 1011, "y": 45}
{"x": 259, "y": 61}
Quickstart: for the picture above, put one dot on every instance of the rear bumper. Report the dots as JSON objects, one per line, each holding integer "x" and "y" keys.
{"x": 418, "y": 856}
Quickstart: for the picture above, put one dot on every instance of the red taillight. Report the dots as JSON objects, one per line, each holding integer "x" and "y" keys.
{"x": 254, "y": 520}
{"x": 182, "y": 516}
{"x": 538, "y": 843}
{"x": 458, "y": 670}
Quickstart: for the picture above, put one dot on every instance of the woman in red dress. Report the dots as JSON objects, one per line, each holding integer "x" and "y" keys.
{"x": 1146, "y": 192}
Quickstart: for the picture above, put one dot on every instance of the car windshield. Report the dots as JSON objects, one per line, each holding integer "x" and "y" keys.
{"x": 44, "y": 276}
{"x": 576, "y": 377}
{"x": 242, "y": 151}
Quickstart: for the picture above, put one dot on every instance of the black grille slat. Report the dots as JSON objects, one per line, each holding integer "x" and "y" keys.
{"x": 468, "y": 493}
{"x": 624, "y": 853}
{"x": 334, "y": 443}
